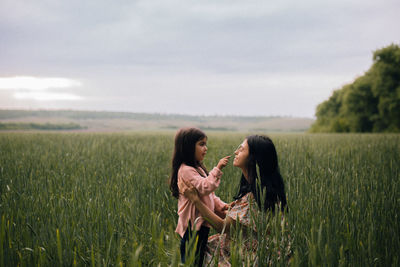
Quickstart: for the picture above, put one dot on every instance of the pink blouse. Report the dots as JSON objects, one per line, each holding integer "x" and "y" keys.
{"x": 206, "y": 187}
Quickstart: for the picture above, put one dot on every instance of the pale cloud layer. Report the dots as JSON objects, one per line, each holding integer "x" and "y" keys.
{"x": 195, "y": 57}
{"x": 39, "y": 89}
{"x": 35, "y": 83}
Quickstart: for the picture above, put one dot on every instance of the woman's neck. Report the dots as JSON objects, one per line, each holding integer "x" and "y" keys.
{"x": 245, "y": 174}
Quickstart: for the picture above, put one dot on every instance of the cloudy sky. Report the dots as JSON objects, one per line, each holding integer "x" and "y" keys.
{"x": 201, "y": 57}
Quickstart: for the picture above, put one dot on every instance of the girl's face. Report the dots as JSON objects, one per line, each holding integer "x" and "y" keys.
{"x": 201, "y": 149}
{"x": 241, "y": 155}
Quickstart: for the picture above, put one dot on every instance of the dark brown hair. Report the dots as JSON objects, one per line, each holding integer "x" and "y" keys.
{"x": 184, "y": 152}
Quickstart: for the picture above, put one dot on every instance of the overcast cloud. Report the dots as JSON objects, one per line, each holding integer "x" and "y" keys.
{"x": 192, "y": 57}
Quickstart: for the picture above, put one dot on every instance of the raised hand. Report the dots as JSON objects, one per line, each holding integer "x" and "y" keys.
{"x": 223, "y": 162}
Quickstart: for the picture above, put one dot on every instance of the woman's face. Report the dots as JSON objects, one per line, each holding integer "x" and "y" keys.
{"x": 241, "y": 155}
{"x": 201, "y": 149}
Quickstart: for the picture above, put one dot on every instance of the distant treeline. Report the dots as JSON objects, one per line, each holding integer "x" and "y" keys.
{"x": 205, "y": 128}
{"x": 370, "y": 104}
{"x": 72, "y": 114}
{"x": 38, "y": 126}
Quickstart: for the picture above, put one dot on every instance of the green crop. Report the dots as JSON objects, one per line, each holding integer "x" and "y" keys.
{"x": 78, "y": 199}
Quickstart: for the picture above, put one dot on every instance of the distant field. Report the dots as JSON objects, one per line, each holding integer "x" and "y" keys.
{"x": 102, "y": 199}
{"x": 119, "y": 121}
{"x": 39, "y": 126}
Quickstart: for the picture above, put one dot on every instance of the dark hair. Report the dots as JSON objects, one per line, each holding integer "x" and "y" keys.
{"x": 184, "y": 152}
{"x": 268, "y": 182}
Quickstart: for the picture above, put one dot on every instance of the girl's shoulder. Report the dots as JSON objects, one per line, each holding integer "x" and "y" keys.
{"x": 185, "y": 167}
{"x": 188, "y": 170}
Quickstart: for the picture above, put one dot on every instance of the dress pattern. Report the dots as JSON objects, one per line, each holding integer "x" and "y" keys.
{"x": 242, "y": 211}
{"x": 245, "y": 212}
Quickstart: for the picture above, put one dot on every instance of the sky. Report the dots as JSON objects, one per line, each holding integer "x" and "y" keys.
{"x": 204, "y": 57}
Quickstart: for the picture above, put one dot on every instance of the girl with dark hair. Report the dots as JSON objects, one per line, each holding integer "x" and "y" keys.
{"x": 187, "y": 166}
{"x": 260, "y": 183}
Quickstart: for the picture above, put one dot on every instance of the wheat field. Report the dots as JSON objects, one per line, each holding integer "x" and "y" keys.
{"x": 100, "y": 199}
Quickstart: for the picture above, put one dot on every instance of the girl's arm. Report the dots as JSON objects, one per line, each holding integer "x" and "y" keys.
{"x": 216, "y": 222}
{"x": 204, "y": 186}
{"x": 207, "y": 185}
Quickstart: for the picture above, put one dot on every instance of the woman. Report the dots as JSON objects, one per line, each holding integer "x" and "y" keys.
{"x": 258, "y": 190}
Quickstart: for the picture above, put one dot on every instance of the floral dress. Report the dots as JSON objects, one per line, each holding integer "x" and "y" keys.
{"x": 219, "y": 245}
{"x": 245, "y": 212}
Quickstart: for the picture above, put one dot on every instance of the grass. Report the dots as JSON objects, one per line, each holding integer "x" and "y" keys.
{"x": 103, "y": 199}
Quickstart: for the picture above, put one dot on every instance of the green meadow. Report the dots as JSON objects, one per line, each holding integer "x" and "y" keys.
{"x": 99, "y": 199}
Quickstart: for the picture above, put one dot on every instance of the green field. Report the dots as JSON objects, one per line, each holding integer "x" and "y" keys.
{"x": 102, "y": 199}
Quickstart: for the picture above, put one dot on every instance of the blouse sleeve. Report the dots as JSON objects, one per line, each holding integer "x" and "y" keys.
{"x": 204, "y": 186}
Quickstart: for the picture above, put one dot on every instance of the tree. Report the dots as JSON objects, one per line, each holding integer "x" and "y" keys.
{"x": 370, "y": 104}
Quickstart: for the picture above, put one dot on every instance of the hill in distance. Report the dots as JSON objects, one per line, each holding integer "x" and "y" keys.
{"x": 106, "y": 121}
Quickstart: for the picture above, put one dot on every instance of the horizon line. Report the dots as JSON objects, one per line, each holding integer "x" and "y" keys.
{"x": 155, "y": 113}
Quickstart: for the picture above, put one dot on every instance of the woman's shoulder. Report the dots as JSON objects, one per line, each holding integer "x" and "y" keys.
{"x": 243, "y": 208}
{"x": 239, "y": 210}
{"x": 249, "y": 197}
{"x": 244, "y": 203}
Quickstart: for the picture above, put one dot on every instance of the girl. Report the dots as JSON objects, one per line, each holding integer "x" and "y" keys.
{"x": 190, "y": 150}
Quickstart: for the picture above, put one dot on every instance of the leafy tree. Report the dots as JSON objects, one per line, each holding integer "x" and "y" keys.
{"x": 370, "y": 104}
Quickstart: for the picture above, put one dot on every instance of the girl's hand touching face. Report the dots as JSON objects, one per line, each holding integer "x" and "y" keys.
{"x": 223, "y": 162}
{"x": 188, "y": 190}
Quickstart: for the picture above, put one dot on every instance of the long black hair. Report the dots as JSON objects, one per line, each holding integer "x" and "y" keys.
{"x": 268, "y": 182}
{"x": 184, "y": 152}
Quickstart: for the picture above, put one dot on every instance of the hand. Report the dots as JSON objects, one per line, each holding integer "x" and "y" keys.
{"x": 223, "y": 162}
{"x": 222, "y": 213}
{"x": 224, "y": 210}
{"x": 188, "y": 190}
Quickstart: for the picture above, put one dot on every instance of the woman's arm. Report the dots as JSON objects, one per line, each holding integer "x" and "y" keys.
{"x": 220, "y": 206}
{"x": 216, "y": 222}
